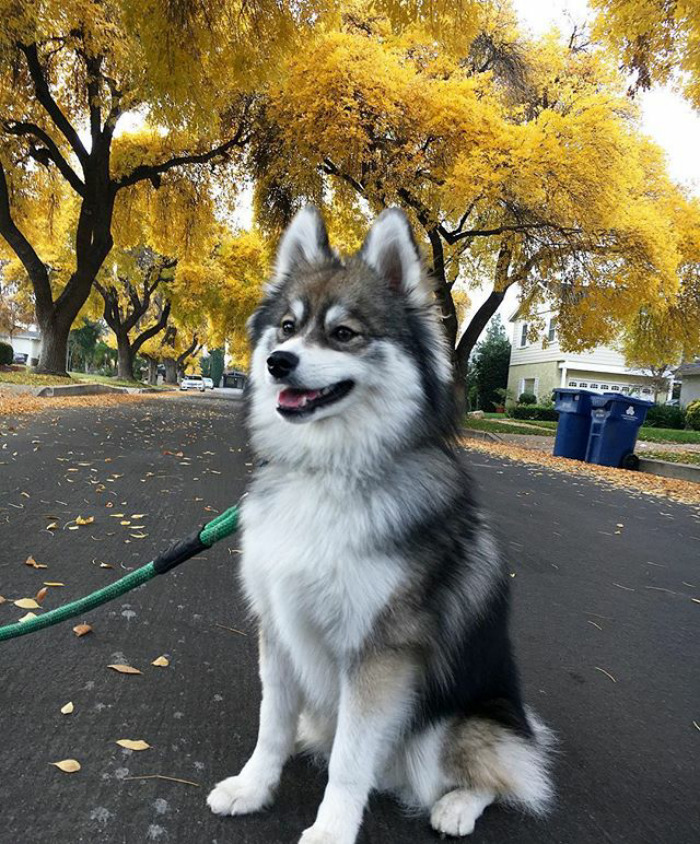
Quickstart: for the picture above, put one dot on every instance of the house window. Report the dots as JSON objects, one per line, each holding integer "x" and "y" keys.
{"x": 523, "y": 336}
{"x": 594, "y": 386}
{"x": 646, "y": 391}
{"x": 583, "y": 383}
{"x": 604, "y": 387}
{"x": 625, "y": 390}
{"x": 614, "y": 389}
{"x": 552, "y": 333}
{"x": 573, "y": 383}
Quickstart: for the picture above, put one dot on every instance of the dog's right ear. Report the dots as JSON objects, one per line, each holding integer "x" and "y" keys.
{"x": 304, "y": 243}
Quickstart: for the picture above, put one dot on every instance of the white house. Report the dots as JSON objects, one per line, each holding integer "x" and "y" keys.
{"x": 541, "y": 366}
{"x": 690, "y": 385}
{"x": 25, "y": 342}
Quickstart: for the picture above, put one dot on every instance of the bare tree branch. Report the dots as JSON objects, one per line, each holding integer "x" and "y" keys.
{"x": 24, "y": 130}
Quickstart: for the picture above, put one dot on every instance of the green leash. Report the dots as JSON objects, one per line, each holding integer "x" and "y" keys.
{"x": 220, "y": 527}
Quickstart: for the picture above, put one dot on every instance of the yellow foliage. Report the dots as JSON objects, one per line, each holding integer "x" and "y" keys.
{"x": 657, "y": 40}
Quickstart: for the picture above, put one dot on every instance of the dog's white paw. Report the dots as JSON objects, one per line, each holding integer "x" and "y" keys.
{"x": 315, "y": 835}
{"x": 457, "y": 812}
{"x": 238, "y": 796}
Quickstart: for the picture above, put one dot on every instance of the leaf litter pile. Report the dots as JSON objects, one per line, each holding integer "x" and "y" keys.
{"x": 80, "y": 496}
{"x": 640, "y": 483}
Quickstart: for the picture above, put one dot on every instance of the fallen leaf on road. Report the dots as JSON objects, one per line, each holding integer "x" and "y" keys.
{"x": 138, "y": 516}
{"x": 607, "y": 673}
{"x": 124, "y": 669}
{"x": 68, "y": 766}
{"x": 125, "y": 522}
{"x": 74, "y": 527}
{"x": 26, "y": 604}
{"x": 163, "y": 777}
{"x": 68, "y": 708}
{"x": 28, "y": 617}
{"x": 106, "y": 566}
{"x": 116, "y": 515}
{"x": 138, "y": 535}
{"x": 129, "y": 744}
{"x": 2, "y": 600}
{"x": 53, "y": 583}
{"x": 695, "y": 600}
{"x": 30, "y": 561}
{"x": 52, "y": 526}
{"x": 41, "y": 594}
{"x": 161, "y": 662}
{"x": 82, "y": 629}
{"x": 81, "y": 521}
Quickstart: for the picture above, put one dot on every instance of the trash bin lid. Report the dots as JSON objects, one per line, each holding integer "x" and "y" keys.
{"x": 633, "y": 400}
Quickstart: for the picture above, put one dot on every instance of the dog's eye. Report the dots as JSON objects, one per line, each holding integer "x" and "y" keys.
{"x": 343, "y": 334}
{"x": 287, "y": 327}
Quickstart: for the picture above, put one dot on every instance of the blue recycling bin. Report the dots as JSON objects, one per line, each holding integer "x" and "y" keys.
{"x": 573, "y": 429}
{"x": 615, "y": 424}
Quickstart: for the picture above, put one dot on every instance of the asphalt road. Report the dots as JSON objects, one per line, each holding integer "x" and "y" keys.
{"x": 605, "y": 628}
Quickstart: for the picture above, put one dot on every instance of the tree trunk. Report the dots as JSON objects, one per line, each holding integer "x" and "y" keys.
{"x": 125, "y": 358}
{"x": 152, "y": 371}
{"x": 54, "y": 346}
{"x": 170, "y": 370}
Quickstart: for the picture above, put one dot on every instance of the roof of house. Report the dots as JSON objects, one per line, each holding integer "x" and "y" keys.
{"x": 689, "y": 369}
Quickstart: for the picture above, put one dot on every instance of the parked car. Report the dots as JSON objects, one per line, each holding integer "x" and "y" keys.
{"x": 20, "y": 357}
{"x": 208, "y": 383}
{"x": 192, "y": 382}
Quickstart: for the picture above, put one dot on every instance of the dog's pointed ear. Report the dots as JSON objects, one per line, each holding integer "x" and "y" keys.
{"x": 391, "y": 251}
{"x": 304, "y": 242}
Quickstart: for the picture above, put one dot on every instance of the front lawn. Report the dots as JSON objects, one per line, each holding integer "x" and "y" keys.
{"x": 691, "y": 457}
{"x": 33, "y": 379}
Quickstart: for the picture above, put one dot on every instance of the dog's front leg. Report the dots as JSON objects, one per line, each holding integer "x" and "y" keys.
{"x": 254, "y": 787}
{"x": 375, "y": 700}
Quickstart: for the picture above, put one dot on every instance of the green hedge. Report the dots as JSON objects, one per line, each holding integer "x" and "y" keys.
{"x": 533, "y": 411}
{"x": 692, "y": 415}
{"x": 662, "y": 416}
{"x": 6, "y": 354}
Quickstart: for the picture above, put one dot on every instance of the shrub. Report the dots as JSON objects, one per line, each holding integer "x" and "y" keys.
{"x": 527, "y": 398}
{"x": 662, "y": 416}
{"x": 692, "y": 415}
{"x": 6, "y": 354}
{"x": 533, "y": 411}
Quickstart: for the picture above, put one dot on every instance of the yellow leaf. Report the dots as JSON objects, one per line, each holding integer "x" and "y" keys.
{"x": 125, "y": 522}
{"x": 52, "y": 526}
{"x": 53, "y": 583}
{"x": 68, "y": 766}
{"x": 27, "y": 604}
{"x": 106, "y": 566}
{"x": 138, "y": 516}
{"x": 161, "y": 662}
{"x": 81, "y": 521}
{"x": 68, "y": 708}
{"x": 129, "y": 744}
{"x": 82, "y": 629}
{"x": 30, "y": 561}
{"x": 74, "y": 527}
{"x": 124, "y": 669}
{"x": 28, "y": 617}
{"x": 2, "y": 600}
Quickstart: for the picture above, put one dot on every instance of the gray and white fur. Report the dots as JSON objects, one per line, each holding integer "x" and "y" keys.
{"x": 381, "y": 598}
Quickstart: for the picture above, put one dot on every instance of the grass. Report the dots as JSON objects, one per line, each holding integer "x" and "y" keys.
{"x": 34, "y": 380}
{"x": 691, "y": 457}
{"x": 502, "y": 427}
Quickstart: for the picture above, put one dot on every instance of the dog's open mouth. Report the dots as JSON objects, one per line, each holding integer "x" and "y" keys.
{"x": 293, "y": 402}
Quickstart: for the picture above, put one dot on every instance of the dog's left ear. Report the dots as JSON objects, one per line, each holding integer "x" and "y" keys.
{"x": 391, "y": 251}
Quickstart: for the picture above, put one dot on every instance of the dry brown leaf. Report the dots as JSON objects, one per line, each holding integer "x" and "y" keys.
{"x": 124, "y": 669}
{"x": 68, "y": 766}
{"x": 130, "y": 744}
{"x": 52, "y": 526}
{"x": 67, "y": 708}
{"x": 53, "y": 583}
{"x": 161, "y": 662}
{"x": 27, "y": 617}
{"x": 81, "y": 521}
{"x": 41, "y": 594}
{"x": 27, "y": 604}
{"x": 82, "y": 629}
{"x": 2, "y": 600}
{"x": 106, "y": 566}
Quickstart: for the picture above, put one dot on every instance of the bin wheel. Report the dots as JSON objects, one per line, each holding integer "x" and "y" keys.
{"x": 630, "y": 461}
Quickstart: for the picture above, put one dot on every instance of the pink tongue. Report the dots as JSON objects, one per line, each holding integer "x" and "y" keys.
{"x": 295, "y": 398}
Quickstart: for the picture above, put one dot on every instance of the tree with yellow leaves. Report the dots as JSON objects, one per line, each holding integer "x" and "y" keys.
{"x": 70, "y": 70}
{"x": 520, "y": 161}
{"x": 656, "y": 40}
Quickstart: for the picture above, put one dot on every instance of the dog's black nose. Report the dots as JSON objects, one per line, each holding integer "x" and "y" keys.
{"x": 280, "y": 364}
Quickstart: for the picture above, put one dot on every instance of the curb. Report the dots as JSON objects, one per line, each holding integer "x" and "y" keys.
{"x": 470, "y": 433}
{"x": 56, "y": 390}
{"x": 678, "y": 471}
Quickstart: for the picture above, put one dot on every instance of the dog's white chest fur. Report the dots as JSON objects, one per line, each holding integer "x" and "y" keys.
{"x": 309, "y": 570}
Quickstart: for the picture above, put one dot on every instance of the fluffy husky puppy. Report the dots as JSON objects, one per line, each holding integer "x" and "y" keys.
{"x": 381, "y": 599}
